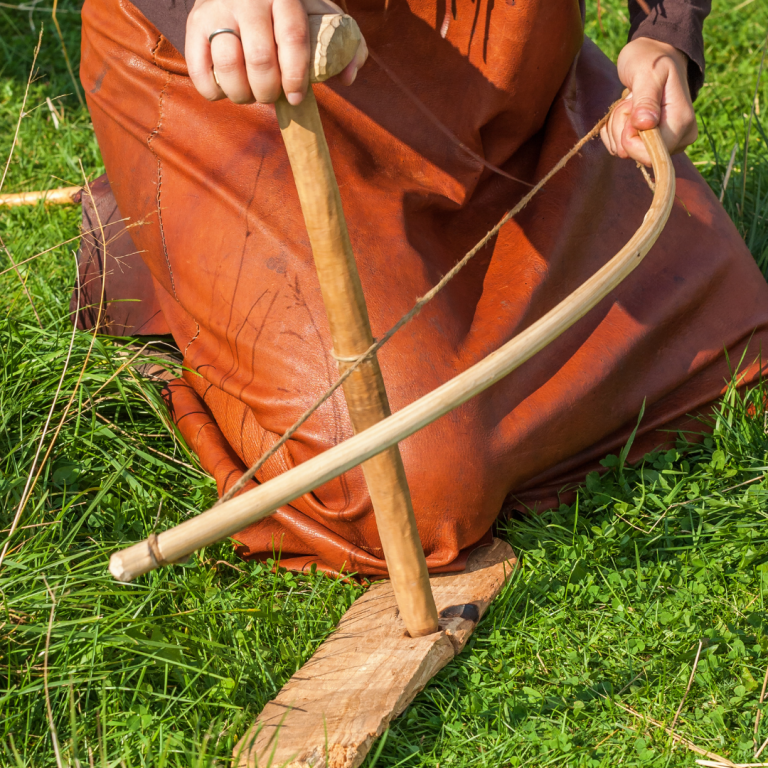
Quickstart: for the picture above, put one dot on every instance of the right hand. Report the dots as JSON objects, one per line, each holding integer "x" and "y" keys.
{"x": 656, "y": 76}
{"x": 271, "y": 55}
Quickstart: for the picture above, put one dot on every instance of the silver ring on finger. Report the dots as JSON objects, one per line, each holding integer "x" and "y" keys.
{"x": 222, "y": 31}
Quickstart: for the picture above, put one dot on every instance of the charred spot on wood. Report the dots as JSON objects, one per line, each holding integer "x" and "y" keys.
{"x": 469, "y": 611}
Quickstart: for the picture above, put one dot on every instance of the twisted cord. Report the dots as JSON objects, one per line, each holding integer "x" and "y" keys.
{"x": 417, "y": 307}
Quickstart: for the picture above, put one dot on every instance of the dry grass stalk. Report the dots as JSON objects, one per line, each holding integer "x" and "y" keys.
{"x": 66, "y": 55}
{"x": 32, "y": 478}
{"x": 702, "y": 498}
{"x": 22, "y": 113}
{"x": 690, "y": 683}
{"x": 758, "y": 713}
{"x": 55, "y": 116}
{"x": 36, "y": 471}
{"x": 712, "y": 758}
{"x": 22, "y": 280}
{"x": 33, "y": 525}
{"x": 52, "y": 725}
{"x": 47, "y": 250}
{"x": 14, "y": 142}
{"x": 149, "y": 448}
{"x": 749, "y": 124}
{"x": 728, "y": 171}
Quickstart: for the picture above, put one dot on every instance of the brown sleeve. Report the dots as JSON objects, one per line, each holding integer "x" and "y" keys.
{"x": 679, "y": 23}
{"x": 170, "y": 18}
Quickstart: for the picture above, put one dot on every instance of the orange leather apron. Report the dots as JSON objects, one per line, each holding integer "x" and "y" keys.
{"x": 221, "y": 233}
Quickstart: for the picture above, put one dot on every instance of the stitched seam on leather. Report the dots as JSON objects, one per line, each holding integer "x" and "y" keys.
{"x": 158, "y": 196}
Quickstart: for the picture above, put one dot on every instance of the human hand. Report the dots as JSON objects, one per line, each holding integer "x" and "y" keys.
{"x": 269, "y": 53}
{"x": 656, "y": 75}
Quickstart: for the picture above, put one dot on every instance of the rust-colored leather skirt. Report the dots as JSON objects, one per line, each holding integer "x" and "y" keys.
{"x": 226, "y": 267}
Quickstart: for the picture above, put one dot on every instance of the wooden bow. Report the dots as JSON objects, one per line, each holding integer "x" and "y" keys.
{"x": 225, "y": 520}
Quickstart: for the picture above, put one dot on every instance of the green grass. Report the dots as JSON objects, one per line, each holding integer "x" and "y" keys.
{"x": 614, "y": 599}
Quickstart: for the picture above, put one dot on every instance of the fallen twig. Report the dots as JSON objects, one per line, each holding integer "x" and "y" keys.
{"x": 60, "y": 196}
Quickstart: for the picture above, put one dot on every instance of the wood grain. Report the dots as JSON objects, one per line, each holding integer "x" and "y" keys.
{"x": 367, "y": 672}
{"x": 227, "y": 519}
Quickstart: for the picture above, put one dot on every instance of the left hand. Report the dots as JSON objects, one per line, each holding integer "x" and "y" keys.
{"x": 656, "y": 76}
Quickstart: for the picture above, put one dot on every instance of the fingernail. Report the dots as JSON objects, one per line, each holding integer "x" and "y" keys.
{"x": 647, "y": 114}
{"x": 294, "y": 99}
{"x": 353, "y": 78}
